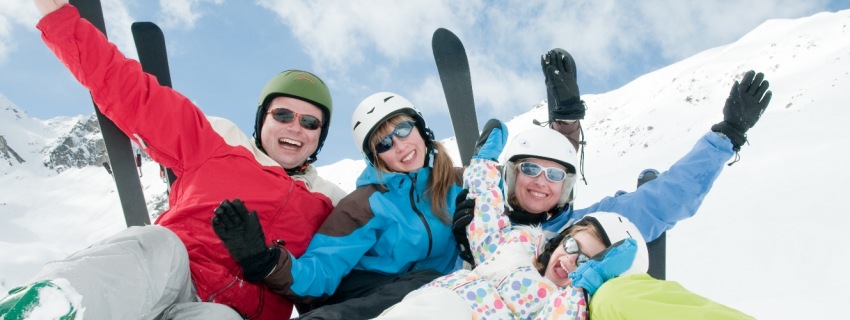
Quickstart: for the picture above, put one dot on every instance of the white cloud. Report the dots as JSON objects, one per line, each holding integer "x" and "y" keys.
{"x": 609, "y": 39}
{"x": 341, "y": 33}
{"x": 183, "y": 13}
{"x": 14, "y": 14}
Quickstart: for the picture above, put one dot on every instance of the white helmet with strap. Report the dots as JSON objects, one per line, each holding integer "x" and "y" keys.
{"x": 541, "y": 143}
{"x": 378, "y": 108}
{"x": 614, "y": 228}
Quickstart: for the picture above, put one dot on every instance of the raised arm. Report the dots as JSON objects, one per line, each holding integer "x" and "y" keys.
{"x": 677, "y": 193}
{"x": 164, "y": 123}
{"x": 489, "y": 223}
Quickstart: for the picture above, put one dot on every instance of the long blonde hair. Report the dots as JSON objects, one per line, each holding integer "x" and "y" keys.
{"x": 442, "y": 172}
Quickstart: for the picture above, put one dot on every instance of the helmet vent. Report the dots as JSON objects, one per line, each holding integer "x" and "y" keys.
{"x": 305, "y": 78}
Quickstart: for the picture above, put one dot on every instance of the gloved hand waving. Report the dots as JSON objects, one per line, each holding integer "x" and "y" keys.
{"x": 243, "y": 236}
{"x": 561, "y": 86}
{"x": 744, "y": 107}
{"x": 606, "y": 265}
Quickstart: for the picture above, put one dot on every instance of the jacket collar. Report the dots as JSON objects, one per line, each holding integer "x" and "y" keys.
{"x": 393, "y": 180}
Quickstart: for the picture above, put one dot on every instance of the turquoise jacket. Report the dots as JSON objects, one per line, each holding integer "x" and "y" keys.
{"x": 390, "y": 230}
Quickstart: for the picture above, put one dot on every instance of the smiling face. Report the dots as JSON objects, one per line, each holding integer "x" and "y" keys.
{"x": 406, "y": 154}
{"x": 289, "y": 144}
{"x": 537, "y": 194}
{"x": 562, "y": 263}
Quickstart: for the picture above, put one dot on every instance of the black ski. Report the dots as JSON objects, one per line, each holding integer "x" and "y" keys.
{"x": 453, "y": 67}
{"x": 150, "y": 44}
{"x": 657, "y": 249}
{"x": 118, "y": 146}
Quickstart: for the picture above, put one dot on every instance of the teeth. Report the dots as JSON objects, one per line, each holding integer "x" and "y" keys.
{"x": 537, "y": 194}
{"x": 408, "y": 157}
{"x": 290, "y": 141}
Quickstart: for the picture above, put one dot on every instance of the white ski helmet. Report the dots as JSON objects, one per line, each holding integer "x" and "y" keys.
{"x": 613, "y": 228}
{"x": 542, "y": 143}
{"x": 376, "y": 109}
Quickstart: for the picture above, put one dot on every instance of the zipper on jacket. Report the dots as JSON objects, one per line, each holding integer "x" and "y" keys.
{"x": 421, "y": 217}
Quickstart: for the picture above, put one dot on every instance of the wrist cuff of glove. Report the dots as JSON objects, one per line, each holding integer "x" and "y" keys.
{"x": 737, "y": 136}
{"x": 255, "y": 268}
{"x": 572, "y": 109}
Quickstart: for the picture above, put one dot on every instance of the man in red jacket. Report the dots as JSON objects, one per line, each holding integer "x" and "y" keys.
{"x": 179, "y": 267}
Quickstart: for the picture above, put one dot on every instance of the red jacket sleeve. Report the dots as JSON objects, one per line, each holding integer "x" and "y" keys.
{"x": 172, "y": 130}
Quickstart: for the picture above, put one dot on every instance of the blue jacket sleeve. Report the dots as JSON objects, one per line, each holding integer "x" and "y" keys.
{"x": 328, "y": 259}
{"x": 341, "y": 243}
{"x": 675, "y": 195}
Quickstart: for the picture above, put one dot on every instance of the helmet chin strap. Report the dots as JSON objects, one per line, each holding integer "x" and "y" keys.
{"x": 430, "y": 146}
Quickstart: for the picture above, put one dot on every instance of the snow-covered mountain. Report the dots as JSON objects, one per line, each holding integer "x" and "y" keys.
{"x": 767, "y": 240}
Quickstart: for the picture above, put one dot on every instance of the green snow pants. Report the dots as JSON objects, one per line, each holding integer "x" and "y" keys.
{"x": 640, "y": 296}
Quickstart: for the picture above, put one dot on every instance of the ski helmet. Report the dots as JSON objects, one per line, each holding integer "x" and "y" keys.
{"x": 542, "y": 143}
{"x": 379, "y": 107}
{"x": 301, "y": 85}
{"x": 614, "y": 228}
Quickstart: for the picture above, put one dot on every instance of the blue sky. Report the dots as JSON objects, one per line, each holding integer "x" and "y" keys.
{"x": 222, "y": 52}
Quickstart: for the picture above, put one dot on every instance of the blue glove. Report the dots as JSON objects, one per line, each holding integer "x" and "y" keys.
{"x": 606, "y": 265}
{"x": 492, "y": 141}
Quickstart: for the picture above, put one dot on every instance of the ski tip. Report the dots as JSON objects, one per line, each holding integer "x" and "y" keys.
{"x": 446, "y": 42}
{"x": 443, "y": 34}
{"x": 145, "y": 26}
{"x": 442, "y": 31}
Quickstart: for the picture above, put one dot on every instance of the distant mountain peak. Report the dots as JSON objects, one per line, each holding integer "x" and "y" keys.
{"x": 82, "y": 146}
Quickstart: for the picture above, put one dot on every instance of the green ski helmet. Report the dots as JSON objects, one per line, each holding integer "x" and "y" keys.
{"x": 301, "y": 85}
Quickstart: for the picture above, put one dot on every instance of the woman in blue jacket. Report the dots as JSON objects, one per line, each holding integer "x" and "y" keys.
{"x": 385, "y": 239}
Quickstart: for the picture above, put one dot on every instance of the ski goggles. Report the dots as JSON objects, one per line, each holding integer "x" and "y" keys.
{"x": 306, "y": 121}
{"x": 532, "y": 169}
{"x": 571, "y": 247}
{"x": 402, "y": 130}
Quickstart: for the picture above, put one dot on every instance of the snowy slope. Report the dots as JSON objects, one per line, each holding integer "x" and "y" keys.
{"x": 767, "y": 239}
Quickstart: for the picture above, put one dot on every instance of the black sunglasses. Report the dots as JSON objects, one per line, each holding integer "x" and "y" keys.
{"x": 286, "y": 116}
{"x": 571, "y": 247}
{"x": 402, "y": 130}
{"x": 532, "y": 169}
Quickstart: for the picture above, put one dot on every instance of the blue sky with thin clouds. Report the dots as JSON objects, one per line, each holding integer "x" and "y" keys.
{"x": 222, "y": 52}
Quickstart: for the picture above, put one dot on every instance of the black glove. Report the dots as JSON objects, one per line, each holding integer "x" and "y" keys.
{"x": 464, "y": 211}
{"x": 744, "y": 106}
{"x": 561, "y": 86}
{"x": 242, "y": 234}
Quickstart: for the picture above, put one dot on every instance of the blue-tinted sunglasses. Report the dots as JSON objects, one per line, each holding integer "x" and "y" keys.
{"x": 571, "y": 247}
{"x": 305, "y": 120}
{"x": 532, "y": 169}
{"x": 402, "y": 130}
